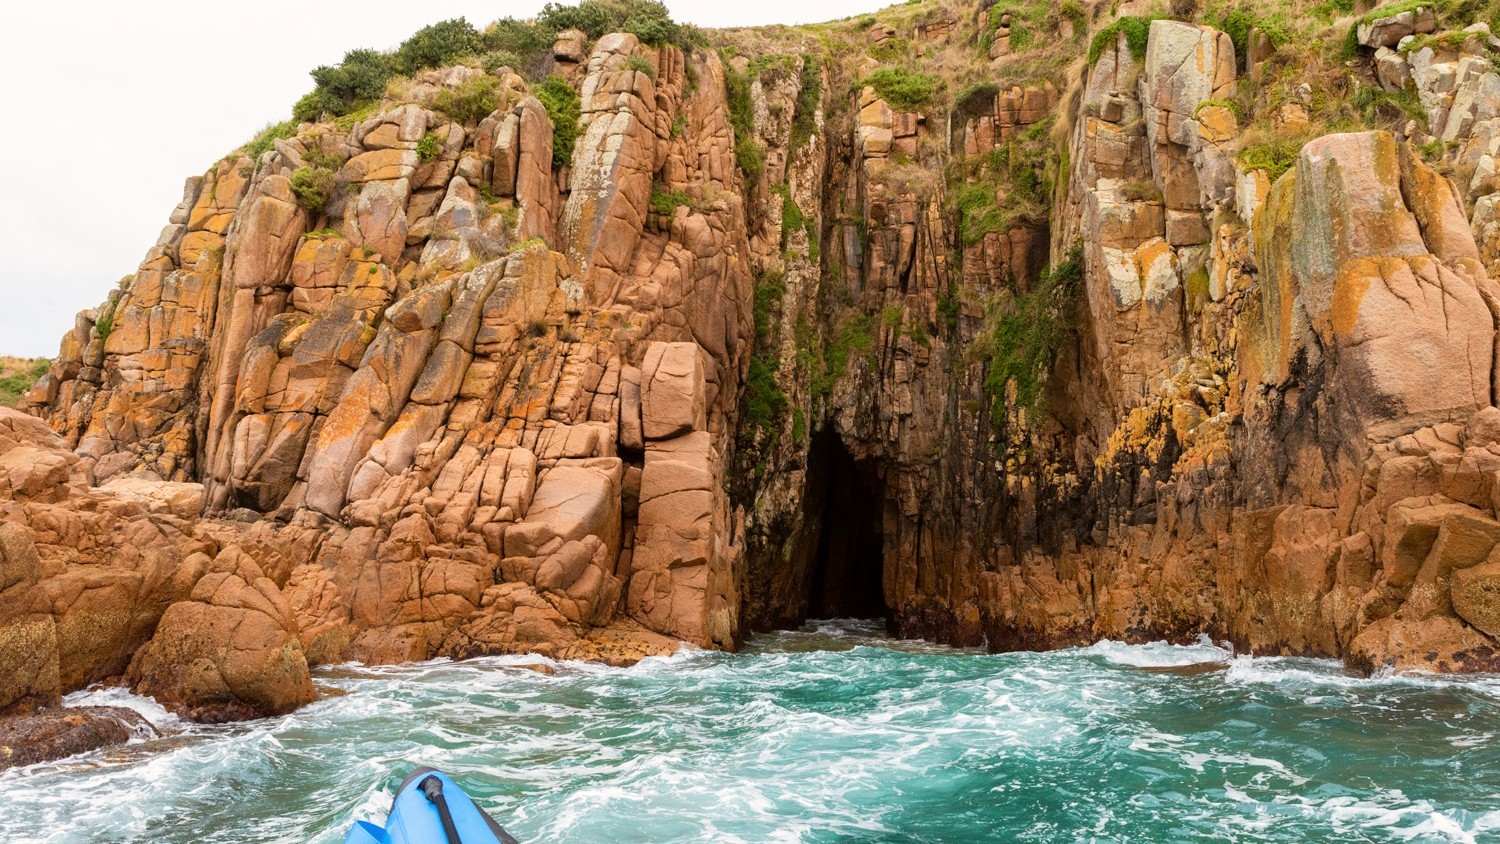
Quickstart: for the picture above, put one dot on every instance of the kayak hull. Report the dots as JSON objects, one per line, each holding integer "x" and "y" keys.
{"x": 414, "y": 819}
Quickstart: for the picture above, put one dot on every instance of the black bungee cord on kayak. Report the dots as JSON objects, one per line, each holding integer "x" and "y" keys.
{"x": 430, "y": 808}
{"x": 433, "y": 788}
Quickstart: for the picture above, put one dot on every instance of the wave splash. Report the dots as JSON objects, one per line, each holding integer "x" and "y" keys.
{"x": 831, "y": 733}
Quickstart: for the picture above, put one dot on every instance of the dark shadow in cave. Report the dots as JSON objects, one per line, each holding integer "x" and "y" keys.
{"x": 844, "y": 579}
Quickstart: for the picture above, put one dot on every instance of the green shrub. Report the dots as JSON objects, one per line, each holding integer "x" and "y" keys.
{"x": 902, "y": 89}
{"x": 792, "y": 219}
{"x": 648, "y": 20}
{"x": 496, "y": 59}
{"x": 440, "y": 44}
{"x": 563, "y": 108}
{"x": 430, "y": 147}
{"x": 917, "y": 332}
{"x": 360, "y": 77}
{"x": 1237, "y": 24}
{"x": 769, "y": 291}
{"x": 1378, "y": 106}
{"x": 641, "y": 64}
{"x": 979, "y": 213}
{"x": 470, "y": 101}
{"x": 854, "y": 335}
{"x": 1330, "y": 10}
{"x": 750, "y": 156}
{"x": 1226, "y": 102}
{"x": 653, "y": 31}
{"x": 805, "y": 113}
{"x": 1006, "y": 186}
{"x": 268, "y": 137}
{"x": 315, "y": 104}
{"x": 1137, "y": 32}
{"x": 791, "y": 215}
{"x": 949, "y": 307}
{"x": 1074, "y": 11}
{"x": 1027, "y": 334}
{"x": 520, "y": 38}
{"x": 664, "y": 201}
{"x": 764, "y": 401}
{"x": 104, "y": 324}
{"x": 313, "y": 186}
{"x": 1275, "y": 157}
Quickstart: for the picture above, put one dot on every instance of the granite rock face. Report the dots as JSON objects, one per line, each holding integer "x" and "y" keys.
{"x": 674, "y": 392}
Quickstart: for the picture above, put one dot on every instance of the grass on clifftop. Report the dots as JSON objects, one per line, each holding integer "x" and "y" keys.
{"x": 17, "y": 375}
{"x": 524, "y": 46}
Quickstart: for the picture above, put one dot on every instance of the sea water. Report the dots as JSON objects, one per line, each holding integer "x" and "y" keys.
{"x": 831, "y": 733}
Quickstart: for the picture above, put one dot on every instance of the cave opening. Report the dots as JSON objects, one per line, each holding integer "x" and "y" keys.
{"x": 846, "y": 573}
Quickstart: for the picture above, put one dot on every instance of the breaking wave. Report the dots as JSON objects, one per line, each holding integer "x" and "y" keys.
{"x": 831, "y": 733}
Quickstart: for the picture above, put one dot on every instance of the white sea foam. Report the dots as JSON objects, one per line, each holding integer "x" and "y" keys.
{"x": 877, "y": 741}
{"x": 1160, "y": 654}
{"x": 147, "y": 707}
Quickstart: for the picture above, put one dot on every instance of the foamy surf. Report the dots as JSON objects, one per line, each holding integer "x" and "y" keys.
{"x": 829, "y": 734}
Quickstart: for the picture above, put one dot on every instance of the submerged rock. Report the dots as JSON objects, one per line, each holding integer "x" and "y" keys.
{"x": 62, "y": 731}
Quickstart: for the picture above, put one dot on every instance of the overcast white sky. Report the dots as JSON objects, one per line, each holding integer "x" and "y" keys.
{"x": 109, "y": 106}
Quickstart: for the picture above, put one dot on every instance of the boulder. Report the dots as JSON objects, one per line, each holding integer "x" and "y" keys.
{"x": 1475, "y": 595}
{"x": 229, "y": 652}
{"x": 1383, "y": 269}
{"x": 60, "y": 732}
{"x": 182, "y": 500}
{"x": 672, "y": 384}
{"x": 569, "y": 45}
{"x": 1376, "y": 30}
{"x": 1438, "y": 644}
{"x": 28, "y": 633}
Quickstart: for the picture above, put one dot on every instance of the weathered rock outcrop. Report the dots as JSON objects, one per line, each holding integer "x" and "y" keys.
{"x": 61, "y": 732}
{"x": 97, "y": 576}
{"x": 1027, "y": 363}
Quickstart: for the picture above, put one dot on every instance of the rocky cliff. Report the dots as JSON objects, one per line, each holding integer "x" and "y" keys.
{"x": 1018, "y": 324}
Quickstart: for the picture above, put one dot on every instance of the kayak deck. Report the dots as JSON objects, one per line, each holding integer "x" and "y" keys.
{"x": 416, "y": 817}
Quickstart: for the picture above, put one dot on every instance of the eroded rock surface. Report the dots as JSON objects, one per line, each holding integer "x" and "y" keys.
{"x": 752, "y": 350}
{"x": 61, "y": 732}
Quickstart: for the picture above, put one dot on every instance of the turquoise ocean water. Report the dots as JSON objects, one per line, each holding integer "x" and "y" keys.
{"x": 832, "y": 733}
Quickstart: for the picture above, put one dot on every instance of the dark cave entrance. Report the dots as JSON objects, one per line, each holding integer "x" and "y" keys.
{"x": 844, "y": 578}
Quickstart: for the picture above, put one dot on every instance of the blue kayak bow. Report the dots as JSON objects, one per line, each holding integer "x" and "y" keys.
{"x": 430, "y": 808}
